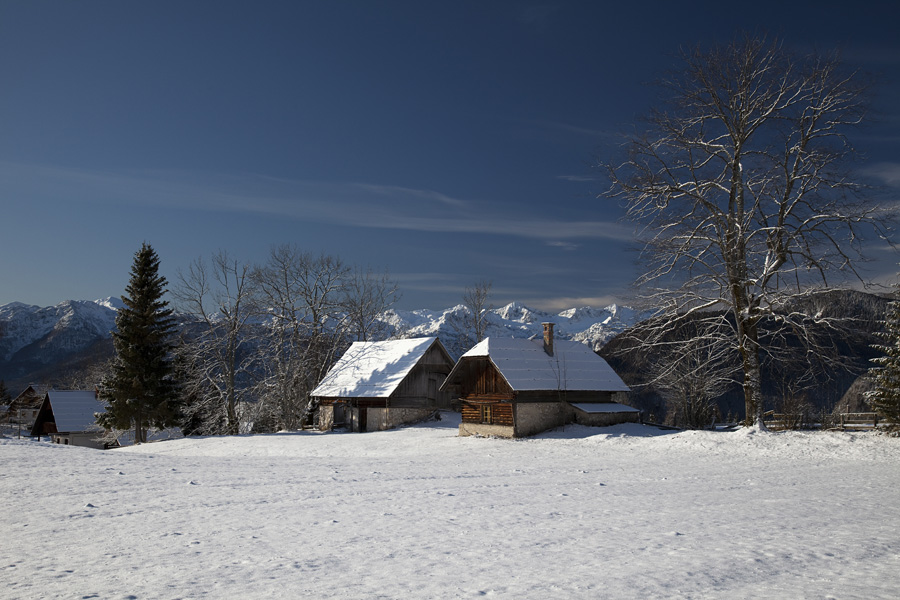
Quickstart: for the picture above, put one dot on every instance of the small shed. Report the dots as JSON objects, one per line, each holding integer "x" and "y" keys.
{"x": 513, "y": 387}
{"x": 67, "y": 416}
{"x": 380, "y": 385}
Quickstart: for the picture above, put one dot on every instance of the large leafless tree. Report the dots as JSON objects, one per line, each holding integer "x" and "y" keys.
{"x": 306, "y": 327}
{"x": 470, "y": 322}
{"x": 368, "y": 294}
{"x": 742, "y": 191}
{"x": 263, "y": 336}
{"x": 219, "y": 295}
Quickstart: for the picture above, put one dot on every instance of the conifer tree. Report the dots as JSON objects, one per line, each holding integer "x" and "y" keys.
{"x": 141, "y": 391}
{"x": 5, "y": 399}
{"x": 885, "y": 398}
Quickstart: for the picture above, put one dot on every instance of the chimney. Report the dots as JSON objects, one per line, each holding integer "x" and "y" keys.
{"x": 548, "y": 338}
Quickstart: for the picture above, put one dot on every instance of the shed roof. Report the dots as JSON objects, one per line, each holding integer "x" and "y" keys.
{"x": 74, "y": 410}
{"x": 527, "y": 367}
{"x": 374, "y": 369}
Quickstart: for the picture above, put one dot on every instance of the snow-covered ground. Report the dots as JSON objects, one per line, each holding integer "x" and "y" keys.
{"x": 620, "y": 512}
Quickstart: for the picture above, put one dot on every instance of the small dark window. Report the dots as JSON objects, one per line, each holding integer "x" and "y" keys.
{"x": 487, "y": 414}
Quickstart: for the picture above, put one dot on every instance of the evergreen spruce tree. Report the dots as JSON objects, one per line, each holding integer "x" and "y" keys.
{"x": 141, "y": 391}
{"x": 885, "y": 398}
{"x": 5, "y": 401}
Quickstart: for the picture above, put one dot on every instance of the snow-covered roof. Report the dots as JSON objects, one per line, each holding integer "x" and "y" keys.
{"x": 373, "y": 369}
{"x": 74, "y": 410}
{"x": 603, "y": 407}
{"x": 526, "y": 367}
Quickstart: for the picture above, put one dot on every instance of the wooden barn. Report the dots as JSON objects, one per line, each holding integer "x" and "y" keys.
{"x": 23, "y": 410}
{"x": 67, "y": 416}
{"x": 512, "y": 387}
{"x": 380, "y": 385}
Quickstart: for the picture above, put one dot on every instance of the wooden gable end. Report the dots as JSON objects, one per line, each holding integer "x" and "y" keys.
{"x": 481, "y": 381}
{"x": 421, "y": 387}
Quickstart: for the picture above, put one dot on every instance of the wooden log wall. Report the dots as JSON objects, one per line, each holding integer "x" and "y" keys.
{"x": 493, "y": 413}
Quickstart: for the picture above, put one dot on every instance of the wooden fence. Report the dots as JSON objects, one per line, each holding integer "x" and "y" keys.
{"x": 864, "y": 420}
{"x": 844, "y": 421}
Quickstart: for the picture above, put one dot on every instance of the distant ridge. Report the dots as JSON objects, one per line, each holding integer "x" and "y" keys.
{"x": 35, "y": 340}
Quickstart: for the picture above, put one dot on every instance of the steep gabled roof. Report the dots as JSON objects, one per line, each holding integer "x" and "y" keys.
{"x": 374, "y": 369}
{"x": 526, "y": 367}
{"x": 32, "y": 395}
{"x": 74, "y": 410}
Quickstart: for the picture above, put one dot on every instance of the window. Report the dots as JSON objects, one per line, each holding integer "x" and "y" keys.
{"x": 487, "y": 414}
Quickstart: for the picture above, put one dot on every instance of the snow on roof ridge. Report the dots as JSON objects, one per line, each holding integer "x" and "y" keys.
{"x": 526, "y": 366}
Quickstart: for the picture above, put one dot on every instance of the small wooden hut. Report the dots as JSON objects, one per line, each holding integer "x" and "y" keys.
{"x": 512, "y": 387}
{"x": 24, "y": 408}
{"x": 380, "y": 385}
{"x": 68, "y": 417}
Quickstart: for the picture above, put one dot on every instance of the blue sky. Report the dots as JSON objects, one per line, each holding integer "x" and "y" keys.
{"x": 448, "y": 142}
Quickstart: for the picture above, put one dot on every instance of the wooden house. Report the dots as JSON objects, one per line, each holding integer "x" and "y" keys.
{"x": 512, "y": 387}
{"x": 67, "y": 416}
{"x": 23, "y": 410}
{"x": 380, "y": 385}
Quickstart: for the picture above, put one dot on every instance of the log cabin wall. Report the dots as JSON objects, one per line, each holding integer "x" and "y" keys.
{"x": 488, "y": 413}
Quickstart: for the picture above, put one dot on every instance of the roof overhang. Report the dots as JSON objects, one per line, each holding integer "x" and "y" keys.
{"x": 603, "y": 407}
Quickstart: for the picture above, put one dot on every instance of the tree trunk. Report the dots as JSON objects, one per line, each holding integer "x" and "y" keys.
{"x": 138, "y": 428}
{"x": 753, "y": 401}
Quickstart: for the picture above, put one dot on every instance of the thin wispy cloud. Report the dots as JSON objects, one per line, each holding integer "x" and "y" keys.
{"x": 555, "y": 304}
{"x": 580, "y": 178}
{"x": 569, "y": 246}
{"x": 349, "y": 204}
{"x": 887, "y": 172}
{"x": 427, "y": 195}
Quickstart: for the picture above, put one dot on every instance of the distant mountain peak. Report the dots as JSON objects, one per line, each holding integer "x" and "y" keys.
{"x": 516, "y": 311}
{"x": 32, "y": 336}
{"x": 111, "y": 302}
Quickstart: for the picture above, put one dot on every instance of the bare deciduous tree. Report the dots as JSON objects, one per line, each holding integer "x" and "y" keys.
{"x": 219, "y": 295}
{"x": 367, "y": 296}
{"x": 691, "y": 375}
{"x": 476, "y": 300}
{"x": 471, "y": 323}
{"x": 743, "y": 194}
{"x": 307, "y": 326}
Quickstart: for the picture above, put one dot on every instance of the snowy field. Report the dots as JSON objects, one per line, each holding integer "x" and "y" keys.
{"x": 619, "y": 512}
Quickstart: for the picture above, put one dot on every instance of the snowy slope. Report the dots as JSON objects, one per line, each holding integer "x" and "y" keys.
{"x": 621, "y": 512}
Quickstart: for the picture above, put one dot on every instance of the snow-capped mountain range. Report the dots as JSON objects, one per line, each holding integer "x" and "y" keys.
{"x": 50, "y": 331}
{"x": 594, "y": 326}
{"x": 33, "y": 336}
